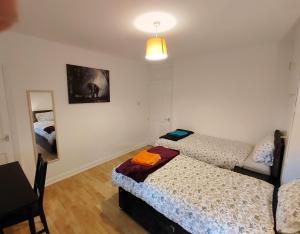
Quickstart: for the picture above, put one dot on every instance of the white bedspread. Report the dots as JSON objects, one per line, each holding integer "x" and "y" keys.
{"x": 217, "y": 151}
{"x": 39, "y": 129}
{"x": 205, "y": 199}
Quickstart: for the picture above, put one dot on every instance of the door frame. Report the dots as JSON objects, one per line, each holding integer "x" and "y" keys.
{"x": 4, "y": 117}
{"x": 31, "y": 123}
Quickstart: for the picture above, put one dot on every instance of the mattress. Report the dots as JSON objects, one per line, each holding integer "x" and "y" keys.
{"x": 203, "y": 198}
{"x": 39, "y": 129}
{"x": 217, "y": 151}
{"x": 251, "y": 165}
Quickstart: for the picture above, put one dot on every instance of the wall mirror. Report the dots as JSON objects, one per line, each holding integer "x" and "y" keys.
{"x": 42, "y": 117}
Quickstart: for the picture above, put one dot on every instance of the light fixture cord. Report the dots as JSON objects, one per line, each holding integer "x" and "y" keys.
{"x": 156, "y": 24}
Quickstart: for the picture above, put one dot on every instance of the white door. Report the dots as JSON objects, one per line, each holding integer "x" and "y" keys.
{"x": 160, "y": 108}
{"x": 6, "y": 150}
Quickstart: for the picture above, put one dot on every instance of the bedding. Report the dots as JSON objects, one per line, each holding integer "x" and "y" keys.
{"x": 205, "y": 199}
{"x": 145, "y": 158}
{"x": 44, "y": 128}
{"x": 177, "y": 135}
{"x": 288, "y": 209}
{"x": 261, "y": 168}
{"x": 44, "y": 116}
{"x": 217, "y": 151}
{"x": 140, "y": 172}
{"x": 49, "y": 129}
{"x": 263, "y": 151}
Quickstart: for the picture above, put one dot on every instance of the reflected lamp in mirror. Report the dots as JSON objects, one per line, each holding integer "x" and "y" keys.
{"x": 44, "y": 130}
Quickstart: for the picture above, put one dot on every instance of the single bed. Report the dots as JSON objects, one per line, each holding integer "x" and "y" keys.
{"x": 45, "y": 138}
{"x": 223, "y": 153}
{"x": 220, "y": 152}
{"x": 201, "y": 198}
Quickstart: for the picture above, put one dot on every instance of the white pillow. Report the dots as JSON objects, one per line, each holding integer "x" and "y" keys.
{"x": 288, "y": 208}
{"x": 263, "y": 151}
{"x": 45, "y": 116}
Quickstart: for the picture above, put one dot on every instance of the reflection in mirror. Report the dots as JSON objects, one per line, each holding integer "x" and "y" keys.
{"x": 42, "y": 115}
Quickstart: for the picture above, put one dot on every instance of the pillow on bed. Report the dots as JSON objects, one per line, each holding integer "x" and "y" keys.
{"x": 44, "y": 116}
{"x": 288, "y": 208}
{"x": 263, "y": 151}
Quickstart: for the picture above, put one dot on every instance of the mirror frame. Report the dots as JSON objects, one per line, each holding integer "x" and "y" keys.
{"x": 31, "y": 123}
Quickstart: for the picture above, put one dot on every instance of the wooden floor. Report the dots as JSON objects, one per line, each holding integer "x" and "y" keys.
{"x": 85, "y": 203}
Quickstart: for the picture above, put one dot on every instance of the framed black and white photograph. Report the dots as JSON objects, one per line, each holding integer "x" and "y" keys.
{"x": 87, "y": 85}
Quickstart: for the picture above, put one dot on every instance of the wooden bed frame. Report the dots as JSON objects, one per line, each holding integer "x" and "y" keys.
{"x": 156, "y": 223}
{"x": 275, "y": 176}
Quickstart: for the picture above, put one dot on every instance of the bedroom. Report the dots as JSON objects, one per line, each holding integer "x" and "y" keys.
{"x": 232, "y": 72}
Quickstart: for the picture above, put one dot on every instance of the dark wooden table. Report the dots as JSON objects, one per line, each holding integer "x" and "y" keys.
{"x": 15, "y": 189}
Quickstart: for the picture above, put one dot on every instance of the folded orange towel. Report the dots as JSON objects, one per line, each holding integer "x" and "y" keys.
{"x": 145, "y": 158}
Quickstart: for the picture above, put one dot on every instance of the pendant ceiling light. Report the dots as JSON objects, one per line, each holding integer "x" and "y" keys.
{"x": 156, "y": 47}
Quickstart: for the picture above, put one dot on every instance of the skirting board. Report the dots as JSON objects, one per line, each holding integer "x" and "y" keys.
{"x": 91, "y": 165}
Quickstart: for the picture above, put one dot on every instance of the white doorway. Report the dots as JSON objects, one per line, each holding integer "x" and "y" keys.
{"x": 160, "y": 108}
{"x": 6, "y": 148}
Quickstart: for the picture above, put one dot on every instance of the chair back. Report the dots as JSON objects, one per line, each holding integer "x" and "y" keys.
{"x": 40, "y": 177}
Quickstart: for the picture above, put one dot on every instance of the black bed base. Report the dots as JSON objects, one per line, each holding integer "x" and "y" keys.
{"x": 153, "y": 221}
{"x": 43, "y": 142}
{"x": 257, "y": 175}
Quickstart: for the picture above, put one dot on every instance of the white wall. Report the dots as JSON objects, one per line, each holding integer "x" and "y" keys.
{"x": 291, "y": 169}
{"x": 41, "y": 101}
{"x": 86, "y": 133}
{"x": 160, "y": 99}
{"x": 239, "y": 94}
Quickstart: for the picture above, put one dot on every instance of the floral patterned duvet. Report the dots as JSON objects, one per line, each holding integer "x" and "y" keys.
{"x": 205, "y": 199}
{"x": 217, "y": 151}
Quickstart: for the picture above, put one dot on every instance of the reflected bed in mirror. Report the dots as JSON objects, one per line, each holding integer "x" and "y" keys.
{"x": 44, "y": 131}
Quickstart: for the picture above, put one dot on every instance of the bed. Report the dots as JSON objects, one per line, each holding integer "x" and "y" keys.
{"x": 200, "y": 198}
{"x": 45, "y": 138}
{"x": 187, "y": 195}
{"x": 217, "y": 151}
{"x": 220, "y": 152}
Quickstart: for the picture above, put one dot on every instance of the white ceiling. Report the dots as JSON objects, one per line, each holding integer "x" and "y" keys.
{"x": 202, "y": 25}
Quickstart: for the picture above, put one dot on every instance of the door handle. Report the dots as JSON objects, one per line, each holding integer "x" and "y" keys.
{"x": 168, "y": 119}
{"x": 5, "y": 138}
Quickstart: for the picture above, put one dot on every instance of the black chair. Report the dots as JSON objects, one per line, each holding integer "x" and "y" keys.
{"x": 32, "y": 210}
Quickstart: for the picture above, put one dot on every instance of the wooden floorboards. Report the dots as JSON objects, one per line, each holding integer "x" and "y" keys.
{"x": 85, "y": 203}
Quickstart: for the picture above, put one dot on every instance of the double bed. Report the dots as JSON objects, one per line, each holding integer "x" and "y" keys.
{"x": 187, "y": 195}
{"x": 45, "y": 133}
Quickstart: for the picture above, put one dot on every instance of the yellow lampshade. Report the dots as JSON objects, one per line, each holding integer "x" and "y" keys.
{"x": 156, "y": 48}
